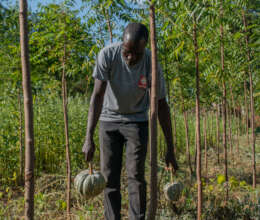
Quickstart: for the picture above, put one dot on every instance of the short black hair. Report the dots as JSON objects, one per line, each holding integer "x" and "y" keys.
{"x": 136, "y": 31}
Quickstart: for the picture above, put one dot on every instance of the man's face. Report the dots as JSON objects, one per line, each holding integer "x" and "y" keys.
{"x": 133, "y": 51}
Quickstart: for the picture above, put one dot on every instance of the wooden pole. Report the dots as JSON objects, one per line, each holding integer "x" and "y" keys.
{"x": 198, "y": 141}
{"x": 28, "y": 115}
{"x": 153, "y": 119}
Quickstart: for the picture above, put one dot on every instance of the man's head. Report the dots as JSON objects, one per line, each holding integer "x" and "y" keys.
{"x": 135, "y": 38}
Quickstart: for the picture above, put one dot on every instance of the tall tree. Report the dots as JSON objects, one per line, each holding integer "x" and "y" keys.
{"x": 251, "y": 99}
{"x": 153, "y": 119}
{"x": 66, "y": 121}
{"x": 198, "y": 141}
{"x": 246, "y": 118}
{"x": 217, "y": 125}
{"x": 224, "y": 106}
{"x": 188, "y": 157}
{"x": 205, "y": 143}
{"x": 28, "y": 114}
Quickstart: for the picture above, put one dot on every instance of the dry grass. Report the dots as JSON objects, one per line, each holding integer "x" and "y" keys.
{"x": 50, "y": 194}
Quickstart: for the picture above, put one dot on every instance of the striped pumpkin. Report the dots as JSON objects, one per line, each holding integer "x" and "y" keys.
{"x": 172, "y": 191}
{"x": 89, "y": 184}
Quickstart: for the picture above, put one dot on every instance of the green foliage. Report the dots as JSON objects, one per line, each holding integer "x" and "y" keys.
{"x": 48, "y": 130}
{"x": 84, "y": 32}
{"x": 221, "y": 179}
{"x": 55, "y": 27}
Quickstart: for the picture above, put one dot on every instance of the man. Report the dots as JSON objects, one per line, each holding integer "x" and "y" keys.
{"x": 120, "y": 101}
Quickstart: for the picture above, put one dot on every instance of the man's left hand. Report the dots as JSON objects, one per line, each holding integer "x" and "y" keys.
{"x": 170, "y": 160}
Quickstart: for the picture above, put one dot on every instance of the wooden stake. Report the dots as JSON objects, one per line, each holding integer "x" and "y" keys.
{"x": 153, "y": 120}
{"x": 28, "y": 114}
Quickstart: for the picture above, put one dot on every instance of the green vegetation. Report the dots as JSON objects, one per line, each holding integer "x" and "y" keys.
{"x": 87, "y": 32}
{"x": 50, "y": 168}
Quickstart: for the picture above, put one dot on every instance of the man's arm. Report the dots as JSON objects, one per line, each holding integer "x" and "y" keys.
{"x": 95, "y": 108}
{"x": 165, "y": 122}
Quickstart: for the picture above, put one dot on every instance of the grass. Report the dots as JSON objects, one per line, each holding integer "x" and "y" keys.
{"x": 50, "y": 169}
{"x": 243, "y": 203}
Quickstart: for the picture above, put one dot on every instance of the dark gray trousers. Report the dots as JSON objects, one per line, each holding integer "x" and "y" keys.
{"x": 113, "y": 136}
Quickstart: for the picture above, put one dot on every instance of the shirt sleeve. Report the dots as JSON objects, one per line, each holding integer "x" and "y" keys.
{"x": 103, "y": 66}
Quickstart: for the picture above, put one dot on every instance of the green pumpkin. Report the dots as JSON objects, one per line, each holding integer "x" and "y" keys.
{"x": 89, "y": 185}
{"x": 172, "y": 191}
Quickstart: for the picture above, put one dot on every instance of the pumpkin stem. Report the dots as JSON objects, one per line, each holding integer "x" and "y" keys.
{"x": 90, "y": 169}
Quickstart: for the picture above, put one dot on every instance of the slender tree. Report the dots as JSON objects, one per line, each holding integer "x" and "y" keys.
{"x": 188, "y": 157}
{"x": 153, "y": 119}
{"x": 224, "y": 108}
{"x": 205, "y": 143}
{"x": 28, "y": 114}
{"x": 21, "y": 148}
{"x": 66, "y": 121}
{"x": 217, "y": 125}
{"x": 174, "y": 129}
{"x": 107, "y": 16}
{"x": 65, "y": 112}
{"x": 251, "y": 99}
{"x": 236, "y": 121}
{"x": 229, "y": 114}
{"x": 246, "y": 109}
{"x": 198, "y": 160}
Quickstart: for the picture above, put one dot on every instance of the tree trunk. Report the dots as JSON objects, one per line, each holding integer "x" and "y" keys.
{"x": 198, "y": 170}
{"x": 21, "y": 150}
{"x": 166, "y": 73}
{"x": 238, "y": 137}
{"x": 236, "y": 119}
{"x": 174, "y": 130}
{"x": 230, "y": 130}
{"x": 28, "y": 114}
{"x": 224, "y": 99}
{"x": 205, "y": 145}
{"x": 188, "y": 157}
{"x": 195, "y": 147}
{"x": 107, "y": 15}
{"x": 153, "y": 119}
{"x": 217, "y": 125}
{"x": 66, "y": 127}
{"x": 211, "y": 136}
{"x": 251, "y": 100}
{"x": 246, "y": 108}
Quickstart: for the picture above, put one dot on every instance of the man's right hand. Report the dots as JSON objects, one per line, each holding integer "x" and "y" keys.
{"x": 89, "y": 149}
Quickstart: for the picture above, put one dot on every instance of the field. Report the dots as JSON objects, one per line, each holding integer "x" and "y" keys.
{"x": 243, "y": 203}
{"x": 207, "y": 53}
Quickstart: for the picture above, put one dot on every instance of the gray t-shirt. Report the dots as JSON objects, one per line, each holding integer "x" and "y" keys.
{"x": 127, "y": 93}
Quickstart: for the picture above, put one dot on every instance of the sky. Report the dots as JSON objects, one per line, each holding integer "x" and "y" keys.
{"x": 33, "y": 4}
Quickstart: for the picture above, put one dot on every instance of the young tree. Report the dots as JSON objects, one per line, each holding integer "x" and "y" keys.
{"x": 188, "y": 156}
{"x": 205, "y": 143}
{"x": 224, "y": 106}
{"x": 153, "y": 119}
{"x": 28, "y": 114}
{"x": 198, "y": 141}
{"x": 217, "y": 125}
{"x": 251, "y": 99}
{"x": 65, "y": 114}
